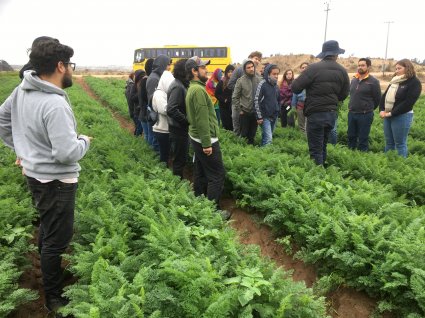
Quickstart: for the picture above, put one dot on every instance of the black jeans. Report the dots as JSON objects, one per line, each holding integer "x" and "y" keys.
{"x": 248, "y": 126}
{"x": 318, "y": 127}
{"x": 226, "y": 117}
{"x": 180, "y": 149}
{"x": 358, "y": 130}
{"x": 55, "y": 202}
{"x": 164, "y": 146}
{"x": 209, "y": 172}
{"x": 286, "y": 120}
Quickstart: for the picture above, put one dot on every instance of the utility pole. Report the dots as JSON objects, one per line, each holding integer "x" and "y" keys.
{"x": 386, "y": 47}
{"x": 327, "y": 13}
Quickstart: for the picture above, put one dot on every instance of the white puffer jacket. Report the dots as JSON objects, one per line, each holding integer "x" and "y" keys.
{"x": 159, "y": 102}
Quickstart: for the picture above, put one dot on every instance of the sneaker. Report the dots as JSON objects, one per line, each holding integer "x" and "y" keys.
{"x": 54, "y": 303}
{"x": 225, "y": 215}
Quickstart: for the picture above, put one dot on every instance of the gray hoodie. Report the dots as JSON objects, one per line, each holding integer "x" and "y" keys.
{"x": 37, "y": 122}
{"x": 244, "y": 92}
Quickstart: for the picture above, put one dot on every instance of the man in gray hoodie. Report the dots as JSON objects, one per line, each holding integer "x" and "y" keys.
{"x": 38, "y": 124}
{"x": 243, "y": 100}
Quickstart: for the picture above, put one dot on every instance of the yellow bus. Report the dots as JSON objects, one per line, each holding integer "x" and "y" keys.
{"x": 219, "y": 55}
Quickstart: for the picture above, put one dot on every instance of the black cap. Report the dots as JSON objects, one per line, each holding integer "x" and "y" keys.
{"x": 195, "y": 62}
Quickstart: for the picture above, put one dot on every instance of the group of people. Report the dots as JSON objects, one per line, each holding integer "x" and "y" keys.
{"x": 182, "y": 107}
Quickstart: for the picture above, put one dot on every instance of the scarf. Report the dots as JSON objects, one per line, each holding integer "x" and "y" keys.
{"x": 392, "y": 91}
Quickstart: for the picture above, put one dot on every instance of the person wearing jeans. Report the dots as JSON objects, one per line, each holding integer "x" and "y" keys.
{"x": 266, "y": 103}
{"x": 326, "y": 84}
{"x": 396, "y": 106}
{"x": 365, "y": 94}
{"x": 48, "y": 147}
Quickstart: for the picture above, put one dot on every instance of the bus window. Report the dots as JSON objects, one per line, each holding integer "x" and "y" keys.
{"x": 221, "y": 52}
{"x": 139, "y": 56}
{"x": 175, "y": 52}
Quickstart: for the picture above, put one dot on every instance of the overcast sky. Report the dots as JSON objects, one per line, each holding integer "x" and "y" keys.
{"x": 106, "y": 32}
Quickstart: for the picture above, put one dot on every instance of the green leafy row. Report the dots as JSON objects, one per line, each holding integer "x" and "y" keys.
{"x": 145, "y": 246}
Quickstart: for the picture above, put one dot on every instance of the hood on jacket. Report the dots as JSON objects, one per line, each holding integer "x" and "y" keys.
{"x": 267, "y": 71}
{"x": 245, "y": 63}
{"x": 32, "y": 82}
{"x": 160, "y": 64}
{"x": 217, "y": 75}
{"x": 165, "y": 81}
{"x": 148, "y": 66}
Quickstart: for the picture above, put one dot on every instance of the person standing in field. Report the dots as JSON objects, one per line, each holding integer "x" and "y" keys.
{"x": 134, "y": 107}
{"x": 209, "y": 170}
{"x": 38, "y": 124}
{"x": 298, "y": 101}
{"x": 396, "y": 106}
{"x": 286, "y": 99}
{"x": 143, "y": 101}
{"x": 160, "y": 64}
{"x": 224, "y": 95}
{"x": 239, "y": 72}
{"x": 243, "y": 101}
{"x": 159, "y": 104}
{"x": 266, "y": 103}
{"x": 177, "y": 119}
{"x": 211, "y": 86}
{"x": 326, "y": 84}
{"x": 365, "y": 94}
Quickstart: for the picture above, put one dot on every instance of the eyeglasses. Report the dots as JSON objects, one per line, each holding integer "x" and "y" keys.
{"x": 73, "y": 65}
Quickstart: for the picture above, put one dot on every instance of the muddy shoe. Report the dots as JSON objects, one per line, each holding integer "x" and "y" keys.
{"x": 225, "y": 215}
{"x": 53, "y": 304}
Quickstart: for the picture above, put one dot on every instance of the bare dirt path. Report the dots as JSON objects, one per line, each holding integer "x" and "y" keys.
{"x": 343, "y": 303}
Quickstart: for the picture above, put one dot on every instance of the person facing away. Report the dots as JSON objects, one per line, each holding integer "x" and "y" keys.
{"x": 37, "y": 122}
{"x": 143, "y": 102}
{"x": 161, "y": 63}
{"x": 365, "y": 94}
{"x": 326, "y": 84}
{"x": 134, "y": 110}
{"x": 239, "y": 72}
{"x": 224, "y": 96}
{"x": 286, "y": 119}
{"x": 298, "y": 101}
{"x": 159, "y": 104}
{"x": 396, "y": 106}
{"x": 243, "y": 101}
{"x": 266, "y": 103}
{"x": 211, "y": 86}
{"x": 209, "y": 170}
{"x": 178, "y": 125}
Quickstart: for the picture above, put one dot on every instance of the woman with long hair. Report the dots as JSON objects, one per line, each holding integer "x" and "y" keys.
{"x": 224, "y": 95}
{"x": 286, "y": 99}
{"x": 396, "y": 106}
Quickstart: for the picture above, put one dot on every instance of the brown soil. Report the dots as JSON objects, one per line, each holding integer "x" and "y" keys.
{"x": 343, "y": 303}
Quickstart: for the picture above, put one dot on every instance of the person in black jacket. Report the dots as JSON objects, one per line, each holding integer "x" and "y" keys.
{"x": 178, "y": 126}
{"x": 224, "y": 95}
{"x": 396, "y": 106}
{"x": 326, "y": 84}
{"x": 143, "y": 102}
{"x": 365, "y": 93}
{"x": 133, "y": 106}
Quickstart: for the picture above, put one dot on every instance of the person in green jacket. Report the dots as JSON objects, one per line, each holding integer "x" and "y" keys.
{"x": 209, "y": 170}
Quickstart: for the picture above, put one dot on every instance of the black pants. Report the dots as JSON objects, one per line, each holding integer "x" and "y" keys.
{"x": 180, "y": 149}
{"x": 318, "y": 127}
{"x": 358, "y": 130}
{"x": 55, "y": 202}
{"x": 209, "y": 172}
{"x": 286, "y": 120}
{"x": 164, "y": 146}
{"x": 248, "y": 126}
{"x": 226, "y": 117}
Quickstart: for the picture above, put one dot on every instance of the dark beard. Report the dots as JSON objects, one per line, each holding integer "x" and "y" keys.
{"x": 361, "y": 72}
{"x": 66, "y": 81}
{"x": 203, "y": 79}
